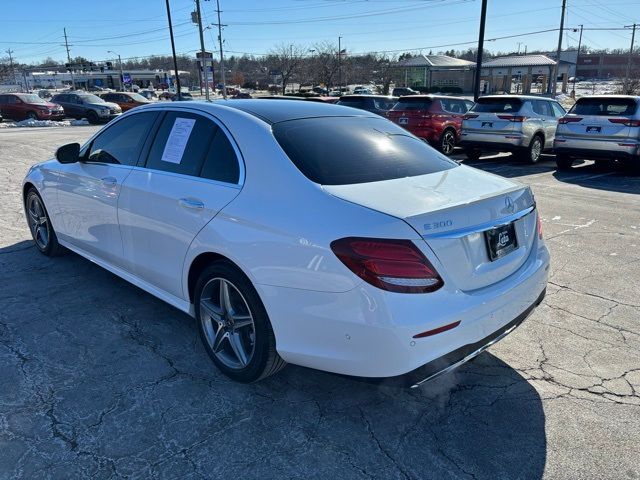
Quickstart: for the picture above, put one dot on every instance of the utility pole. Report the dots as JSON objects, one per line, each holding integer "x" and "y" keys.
{"x": 120, "y": 68}
{"x": 340, "y": 64}
{"x": 519, "y": 43}
{"x": 575, "y": 74}
{"x": 633, "y": 39}
{"x": 476, "y": 83}
{"x": 173, "y": 50}
{"x": 556, "y": 70}
{"x": 66, "y": 45}
{"x": 223, "y": 77}
{"x": 13, "y": 73}
{"x": 203, "y": 61}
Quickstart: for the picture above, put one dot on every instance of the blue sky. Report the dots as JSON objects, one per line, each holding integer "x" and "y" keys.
{"x": 138, "y": 27}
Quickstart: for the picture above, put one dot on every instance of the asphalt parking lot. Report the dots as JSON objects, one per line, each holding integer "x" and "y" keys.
{"x": 99, "y": 379}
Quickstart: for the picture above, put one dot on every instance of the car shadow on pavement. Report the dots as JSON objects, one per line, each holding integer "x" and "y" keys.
{"x": 511, "y": 166}
{"x": 100, "y": 379}
{"x": 611, "y": 177}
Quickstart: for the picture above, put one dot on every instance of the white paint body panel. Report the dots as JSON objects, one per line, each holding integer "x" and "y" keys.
{"x": 277, "y": 227}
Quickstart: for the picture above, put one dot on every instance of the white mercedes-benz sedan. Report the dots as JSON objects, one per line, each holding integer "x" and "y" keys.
{"x": 299, "y": 232}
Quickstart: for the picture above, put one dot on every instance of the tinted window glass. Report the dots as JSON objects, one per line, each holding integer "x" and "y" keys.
{"x": 121, "y": 142}
{"x": 604, "y": 106}
{"x": 558, "y": 111}
{"x": 384, "y": 103}
{"x": 221, "y": 163}
{"x": 413, "y": 104}
{"x": 3, "y": 99}
{"x": 453, "y": 106}
{"x": 170, "y": 154}
{"x": 351, "y": 102}
{"x": 497, "y": 105}
{"x": 355, "y": 150}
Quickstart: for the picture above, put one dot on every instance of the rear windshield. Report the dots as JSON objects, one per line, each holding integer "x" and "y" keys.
{"x": 497, "y": 105}
{"x": 413, "y": 104}
{"x": 348, "y": 150}
{"x": 605, "y": 106}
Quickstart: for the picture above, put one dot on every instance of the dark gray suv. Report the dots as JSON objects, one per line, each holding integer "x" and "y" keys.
{"x": 379, "y": 104}
{"x": 86, "y": 105}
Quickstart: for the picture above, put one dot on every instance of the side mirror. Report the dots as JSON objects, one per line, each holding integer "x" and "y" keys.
{"x": 69, "y": 153}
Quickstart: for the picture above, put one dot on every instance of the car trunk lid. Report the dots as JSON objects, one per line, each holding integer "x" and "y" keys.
{"x": 452, "y": 210}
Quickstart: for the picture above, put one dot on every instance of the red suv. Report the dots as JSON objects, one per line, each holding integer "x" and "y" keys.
{"x": 22, "y": 106}
{"x": 436, "y": 119}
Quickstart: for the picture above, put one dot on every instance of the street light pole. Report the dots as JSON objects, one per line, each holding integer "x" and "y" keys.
{"x": 556, "y": 70}
{"x": 476, "y": 83}
{"x": 203, "y": 61}
{"x": 120, "y": 68}
{"x": 339, "y": 64}
{"x": 575, "y": 74}
{"x": 224, "y": 82}
{"x": 173, "y": 50}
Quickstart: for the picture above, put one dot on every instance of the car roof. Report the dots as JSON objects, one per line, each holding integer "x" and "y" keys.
{"x": 433, "y": 97}
{"x": 386, "y": 97}
{"x": 519, "y": 97}
{"x": 277, "y": 111}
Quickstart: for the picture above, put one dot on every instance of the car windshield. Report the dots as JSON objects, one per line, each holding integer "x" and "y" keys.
{"x": 497, "y": 105}
{"x": 349, "y": 150}
{"x": 137, "y": 97}
{"x": 413, "y": 104}
{"x": 605, "y": 106}
{"x": 31, "y": 98}
{"x": 88, "y": 98}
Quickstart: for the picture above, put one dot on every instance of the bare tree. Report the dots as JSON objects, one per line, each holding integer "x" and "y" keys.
{"x": 324, "y": 63}
{"x": 286, "y": 60}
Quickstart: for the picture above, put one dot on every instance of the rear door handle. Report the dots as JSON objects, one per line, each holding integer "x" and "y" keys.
{"x": 191, "y": 203}
{"x": 109, "y": 181}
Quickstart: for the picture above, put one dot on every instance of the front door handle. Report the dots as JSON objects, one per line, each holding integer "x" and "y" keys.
{"x": 191, "y": 203}
{"x": 109, "y": 181}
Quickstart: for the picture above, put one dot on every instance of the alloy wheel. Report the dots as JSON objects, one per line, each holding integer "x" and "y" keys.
{"x": 448, "y": 142}
{"x": 227, "y": 323}
{"x": 536, "y": 149}
{"x": 38, "y": 222}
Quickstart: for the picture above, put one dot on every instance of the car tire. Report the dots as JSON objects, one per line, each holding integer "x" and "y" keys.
{"x": 533, "y": 152}
{"x": 473, "y": 153}
{"x": 564, "y": 162}
{"x": 40, "y": 225}
{"x": 234, "y": 326}
{"x": 31, "y": 116}
{"x": 447, "y": 142}
{"x": 92, "y": 117}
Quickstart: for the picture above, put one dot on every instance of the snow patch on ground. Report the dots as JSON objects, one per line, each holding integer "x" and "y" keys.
{"x": 44, "y": 123}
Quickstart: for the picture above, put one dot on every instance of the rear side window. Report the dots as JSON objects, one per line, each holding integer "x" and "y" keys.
{"x": 221, "y": 163}
{"x": 413, "y": 104}
{"x": 542, "y": 107}
{"x": 121, "y": 142}
{"x": 497, "y": 105}
{"x": 356, "y": 150}
{"x": 558, "y": 111}
{"x": 605, "y": 106}
{"x": 181, "y": 143}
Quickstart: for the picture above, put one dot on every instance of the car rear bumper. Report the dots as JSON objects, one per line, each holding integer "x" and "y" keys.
{"x": 597, "y": 149}
{"x": 368, "y": 332}
{"x": 507, "y": 142}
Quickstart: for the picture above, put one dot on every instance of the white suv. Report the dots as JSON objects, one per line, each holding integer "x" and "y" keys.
{"x": 601, "y": 128}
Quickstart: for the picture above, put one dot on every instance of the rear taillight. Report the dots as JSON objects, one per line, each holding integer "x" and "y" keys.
{"x": 513, "y": 118}
{"x": 627, "y": 122}
{"x": 393, "y": 265}
{"x": 565, "y": 120}
{"x": 470, "y": 116}
{"x": 539, "y": 225}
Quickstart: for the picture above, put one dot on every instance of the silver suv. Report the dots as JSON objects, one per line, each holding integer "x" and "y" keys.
{"x": 600, "y": 128}
{"x": 524, "y": 125}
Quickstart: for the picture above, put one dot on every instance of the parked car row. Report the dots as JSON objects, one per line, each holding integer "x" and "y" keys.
{"x": 603, "y": 128}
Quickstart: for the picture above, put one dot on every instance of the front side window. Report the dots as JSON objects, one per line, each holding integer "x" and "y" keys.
{"x": 121, "y": 142}
{"x": 181, "y": 143}
{"x": 541, "y": 107}
{"x": 349, "y": 150}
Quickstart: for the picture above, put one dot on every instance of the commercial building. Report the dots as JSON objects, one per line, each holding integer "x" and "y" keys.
{"x": 430, "y": 71}
{"x": 606, "y": 65}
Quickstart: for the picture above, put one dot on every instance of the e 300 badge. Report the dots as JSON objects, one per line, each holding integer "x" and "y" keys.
{"x": 437, "y": 225}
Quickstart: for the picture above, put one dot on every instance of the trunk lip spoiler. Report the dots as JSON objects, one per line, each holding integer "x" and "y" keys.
{"x": 463, "y": 232}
